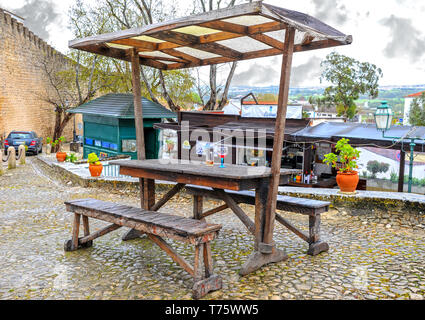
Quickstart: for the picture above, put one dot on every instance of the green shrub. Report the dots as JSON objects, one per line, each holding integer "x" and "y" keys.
{"x": 394, "y": 176}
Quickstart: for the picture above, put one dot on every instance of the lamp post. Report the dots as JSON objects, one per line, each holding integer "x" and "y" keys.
{"x": 383, "y": 119}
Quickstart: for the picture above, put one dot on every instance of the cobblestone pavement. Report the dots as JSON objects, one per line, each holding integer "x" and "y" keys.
{"x": 368, "y": 259}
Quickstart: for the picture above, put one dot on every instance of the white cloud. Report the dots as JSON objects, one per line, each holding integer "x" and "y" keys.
{"x": 372, "y": 41}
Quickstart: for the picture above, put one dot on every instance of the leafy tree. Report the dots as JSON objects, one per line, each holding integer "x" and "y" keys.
{"x": 322, "y": 103}
{"x": 417, "y": 111}
{"x": 350, "y": 78}
{"x": 376, "y": 167}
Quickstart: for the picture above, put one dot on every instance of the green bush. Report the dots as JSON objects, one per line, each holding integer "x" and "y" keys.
{"x": 394, "y": 176}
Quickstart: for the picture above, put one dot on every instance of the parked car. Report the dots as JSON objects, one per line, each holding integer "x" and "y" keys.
{"x": 29, "y": 138}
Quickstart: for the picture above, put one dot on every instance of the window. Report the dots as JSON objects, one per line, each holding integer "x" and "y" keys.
{"x": 97, "y": 143}
{"x": 20, "y": 135}
{"x": 89, "y": 141}
{"x": 105, "y": 144}
{"x": 129, "y": 146}
{"x": 113, "y": 146}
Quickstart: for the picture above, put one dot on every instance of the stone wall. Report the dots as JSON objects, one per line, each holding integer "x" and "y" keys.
{"x": 22, "y": 83}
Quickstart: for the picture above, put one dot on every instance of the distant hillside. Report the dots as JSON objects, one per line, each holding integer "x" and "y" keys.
{"x": 394, "y": 94}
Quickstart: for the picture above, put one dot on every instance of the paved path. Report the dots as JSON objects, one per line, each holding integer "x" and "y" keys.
{"x": 367, "y": 258}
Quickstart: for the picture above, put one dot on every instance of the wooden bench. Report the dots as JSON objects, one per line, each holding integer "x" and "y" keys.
{"x": 312, "y": 208}
{"x": 157, "y": 226}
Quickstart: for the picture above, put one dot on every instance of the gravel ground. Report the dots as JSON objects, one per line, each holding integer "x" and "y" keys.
{"x": 367, "y": 259}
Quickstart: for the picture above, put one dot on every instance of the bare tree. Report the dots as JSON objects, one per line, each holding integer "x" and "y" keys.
{"x": 70, "y": 84}
{"x": 211, "y": 104}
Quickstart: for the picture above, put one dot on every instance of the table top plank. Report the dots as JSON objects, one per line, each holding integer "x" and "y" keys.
{"x": 197, "y": 168}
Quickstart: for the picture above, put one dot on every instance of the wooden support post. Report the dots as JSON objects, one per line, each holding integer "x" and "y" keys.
{"x": 86, "y": 226}
{"x": 208, "y": 260}
{"x": 138, "y": 111}
{"x": 260, "y": 207}
{"x": 279, "y": 135}
{"x": 148, "y": 194}
{"x": 401, "y": 171}
{"x": 265, "y": 251}
{"x": 140, "y": 135}
{"x": 316, "y": 246}
{"x": 307, "y": 159}
{"x": 75, "y": 231}
{"x": 198, "y": 204}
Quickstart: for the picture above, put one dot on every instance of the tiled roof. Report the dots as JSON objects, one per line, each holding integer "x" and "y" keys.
{"x": 120, "y": 105}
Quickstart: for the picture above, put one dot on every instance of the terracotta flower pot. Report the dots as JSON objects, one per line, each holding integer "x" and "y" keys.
{"x": 347, "y": 181}
{"x": 95, "y": 169}
{"x": 61, "y": 156}
{"x": 170, "y": 147}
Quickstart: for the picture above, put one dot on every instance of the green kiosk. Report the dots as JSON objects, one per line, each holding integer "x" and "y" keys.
{"x": 109, "y": 128}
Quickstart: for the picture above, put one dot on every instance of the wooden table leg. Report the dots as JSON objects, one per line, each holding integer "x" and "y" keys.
{"x": 198, "y": 204}
{"x": 147, "y": 199}
{"x": 263, "y": 254}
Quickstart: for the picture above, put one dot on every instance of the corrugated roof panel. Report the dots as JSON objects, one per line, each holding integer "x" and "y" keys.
{"x": 244, "y": 44}
{"x": 248, "y": 20}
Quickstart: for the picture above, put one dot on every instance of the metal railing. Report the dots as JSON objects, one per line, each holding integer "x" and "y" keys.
{"x": 112, "y": 170}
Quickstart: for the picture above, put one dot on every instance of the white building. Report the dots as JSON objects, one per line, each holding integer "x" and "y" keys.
{"x": 407, "y": 103}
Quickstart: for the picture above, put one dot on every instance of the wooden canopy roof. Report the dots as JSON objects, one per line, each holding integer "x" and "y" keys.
{"x": 242, "y": 32}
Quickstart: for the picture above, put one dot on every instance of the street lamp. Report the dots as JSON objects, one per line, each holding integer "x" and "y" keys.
{"x": 383, "y": 117}
{"x": 383, "y": 120}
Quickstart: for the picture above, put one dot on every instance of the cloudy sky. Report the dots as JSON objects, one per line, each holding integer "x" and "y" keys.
{"x": 388, "y": 33}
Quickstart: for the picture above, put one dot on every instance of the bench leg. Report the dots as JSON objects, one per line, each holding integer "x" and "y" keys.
{"x": 316, "y": 246}
{"x": 87, "y": 241}
{"x": 204, "y": 282}
{"x": 72, "y": 245}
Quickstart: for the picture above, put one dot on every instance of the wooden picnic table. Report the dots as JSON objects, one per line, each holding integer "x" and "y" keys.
{"x": 232, "y": 177}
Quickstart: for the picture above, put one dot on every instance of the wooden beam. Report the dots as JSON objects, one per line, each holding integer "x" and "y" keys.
{"x": 236, "y": 210}
{"x": 137, "y": 101}
{"x": 99, "y": 233}
{"x": 173, "y": 254}
{"x": 167, "y": 196}
{"x": 258, "y": 54}
{"x": 152, "y": 63}
{"x": 214, "y": 210}
{"x": 267, "y": 27}
{"x": 292, "y": 228}
{"x": 218, "y": 37}
{"x": 138, "y": 44}
{"x": 270, "y": 209}
{"x": 307, "y": 39}
{"x": 225, "y": 26}
{"x": 182, "y": 55}
{"x": 268, "y": 41}
{"x": 194, "y": 42}
{"x": 163, "y": 58}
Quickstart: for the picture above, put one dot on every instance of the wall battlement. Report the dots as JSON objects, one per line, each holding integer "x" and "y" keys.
{"x": 18, "y": 28}
{"x": 22, "y": 81}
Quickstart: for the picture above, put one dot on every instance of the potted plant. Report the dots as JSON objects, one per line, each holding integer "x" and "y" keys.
{"x": 48, "y": 145}
{"x": 72, "y": 157}
{"x": 95, "y": 166}
{"x": 60, "y": 155}
{"x": 347, "y": 177}
{"x": 170, "y": 145}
